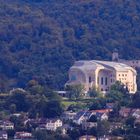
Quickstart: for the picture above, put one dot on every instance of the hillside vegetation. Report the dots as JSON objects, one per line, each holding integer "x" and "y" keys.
{"x": 40, "y": 39}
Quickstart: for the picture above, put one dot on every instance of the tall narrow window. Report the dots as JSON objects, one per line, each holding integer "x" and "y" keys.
{"x": 106, "y": 81}
{"x": 89, "y": 80}
{"x": 102, "y": 81}
{"x": 98, "y": 80}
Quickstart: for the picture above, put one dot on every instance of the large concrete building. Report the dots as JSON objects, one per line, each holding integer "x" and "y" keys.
{"x": 102, "y": 74}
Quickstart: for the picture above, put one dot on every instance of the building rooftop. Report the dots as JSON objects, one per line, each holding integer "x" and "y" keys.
{"x": 92, "y": 65}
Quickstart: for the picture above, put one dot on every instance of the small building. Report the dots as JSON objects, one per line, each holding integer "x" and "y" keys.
{"x": 53, "y": 124}
{"x": 3, "y": 135}
{"x": 6, "y": 125}
{"x": 88, "y": 125}
{"x": 68, "y": 115}
{"x": 23, "y": 136}
{"x": 65, "y": 128}
{"x": 110, "y": 105}
{"x": 110, "y": 138}
{"x": 115, "y": 125}
{"x": 137, "y": 121}
{"x": 36, "y": 122}
{"x": 136, "y": 113}
{"x": 87, "y": 137}
{"x": 125, "y": 112}
{"x": 102, "y": 116}
{"x": 82, "y": 116}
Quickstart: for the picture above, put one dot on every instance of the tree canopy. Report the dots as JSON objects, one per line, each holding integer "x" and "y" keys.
{"x": 40, "y": 39}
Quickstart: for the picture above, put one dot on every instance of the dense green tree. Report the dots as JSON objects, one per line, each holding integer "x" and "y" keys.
{"x": 53, "y": 109}
{"x": 94, "y": 92}
{"x": 98, "y": 103}
{"x": 118, "y": 86}
{"x": 115, "y": 113}
{"x": 75, "y": 91}
{"x": 135, "y": 100}
{"x": 103, "y": 128}
{"x": 18, "y": 122}
{"x": 95, "y": 105}
{"x": 19, "y": 100}
{"x": 43, "y": 135}
{"x": 12, "y": 108}
{"x": 119, "y": 93}
{"x": 130, "y": 122}
{"x": 75, "y": 133}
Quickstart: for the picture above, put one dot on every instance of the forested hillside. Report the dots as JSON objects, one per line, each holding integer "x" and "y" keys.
{"x": 40, "y": 39}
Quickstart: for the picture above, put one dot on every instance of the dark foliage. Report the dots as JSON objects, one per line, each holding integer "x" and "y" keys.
{"x": 40, "y": 39}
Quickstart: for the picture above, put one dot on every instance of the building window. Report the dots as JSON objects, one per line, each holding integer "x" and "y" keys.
{"x": 106, "y": 81}
{"x": 89, "y": 80}
{"x": 101, "y": 89}
{"x": 122, "y": 74}
{"x": 98, "y": 80}
{"x": 111, "y": 80}
{"x": 102, "y": 81}
{"x": 73, "y": 78}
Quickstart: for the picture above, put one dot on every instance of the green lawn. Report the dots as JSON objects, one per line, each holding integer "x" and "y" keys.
{"x": 68, "y": 103}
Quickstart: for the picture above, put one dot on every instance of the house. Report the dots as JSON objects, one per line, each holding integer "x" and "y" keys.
{"x": 23, "y": 136}
{"x": 49, "y": 124}
{"x": 41, "y": 127}
{"x": 136, "y": 113}
{"x": 82, "y": 116}
{"x": 45, "y": 124}
{"x": 110, "y": 105}
{"x": 125, "y": 112}
{"x": 110, "y": 138}
{"x": 101, "y": 111}
{"x": 3, "y": 135}
{"x": 102, "y": 75}
{"x": 137, "y": 121}
{"x": 88, "y": 125}
{"x": 53, "y": 124}
{"x": 68, "y": 115}
{"x": 102, "y": 116}
{"x": 36, "y": 122}
{"x": 87, "y": 137}
{"x": 6, "y": 125}
{"x": 65, "y": 128}
{"x": 115, "y": 125}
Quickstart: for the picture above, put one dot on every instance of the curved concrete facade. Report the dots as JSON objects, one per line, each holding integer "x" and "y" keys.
{"x": 102, "y": 74}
